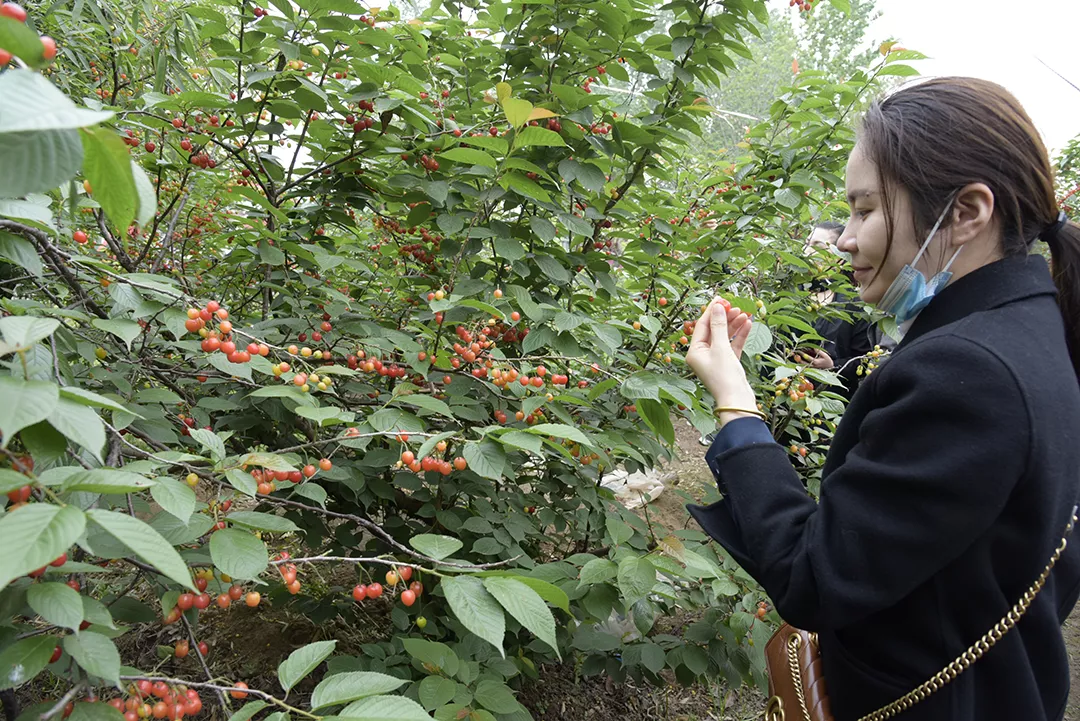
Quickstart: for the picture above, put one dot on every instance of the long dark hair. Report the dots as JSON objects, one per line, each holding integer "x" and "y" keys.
{"x": 939, "y": 135}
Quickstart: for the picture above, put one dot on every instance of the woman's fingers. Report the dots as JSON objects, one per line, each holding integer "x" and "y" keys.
{"x": 739, "y": 341}
{"x": 701, "y": 328}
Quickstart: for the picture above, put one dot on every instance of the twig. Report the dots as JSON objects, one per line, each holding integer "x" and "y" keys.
{"x": 62, "y": 702}
{"x": 206, "y": 669}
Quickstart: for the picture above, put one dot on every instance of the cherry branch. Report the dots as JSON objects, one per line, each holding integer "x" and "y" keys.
{"x": 378, "y": 531}
{"x": 219, "y": 688}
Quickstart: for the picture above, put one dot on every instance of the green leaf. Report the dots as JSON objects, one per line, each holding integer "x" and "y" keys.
{"x": 535, "y": 135}
{"x": 23, "y": 660}
{"x": 643, "y": 384}
{"x": 107, "y": 165}
{"x": 210, "y": 441}
{"x": 476, "y": 609}
{"x": 312, "y": 491}
{"x": 242, "y": 482}
{"x": 427, "y": 403}
{"x": 262, "y": 521}
{"x": 84, "y": 711}
{"x": 788, "y": 197}
{"x": 436, "y": 691}
{"x": 23, "y": 43}
{"x": 653, "y": 657}
{"x": 95, "y": 612}
{"x": 10, "y": 480}
{"x": 106, "y": 480}
{"x": 898, "y": 69}
{"x": 21, "y": 332}
{"x": 469, "y": 156}
{"x": 429, "y": 444}
{"x": 303, "y": 661}
{"x": 34, "y": 103}
{"x": 238, "y": 553}
{"x": 517, "y": 111}
{"x": 20, "y": 251}
{"x": 249, "y": 709}
{"x": 619, "y": 531}
{"x": 657, "y": 417}
{"x": 435, "y": 546}
{"x": 144, "y": 190}
{"x": 520, "y": 439}
{"x": 496, "y": 696}
{"x": 561, "y": 430}
{"x": 843, "y": 6}
{"x": 598, "y": 570}
{"x": 526, "y": 606}
{"x": 485, "y": 458}
{"x": 759, "y": 340}
{"x": 344, "y": 687}
{"x": 636, "y": 578}
{"x": 174, "y": 497}
{"x": 125, "y": 330}
{"x": 57, "y": 603}
{"x": 41, "y": 532}
{"x": 520, "y": 184}
{"x": 96, "y": 654}
{"x": 385, "y": 708}
{"x": 24, "y": 404}
{"x": 80, "y": 424}
{"x": 239, "y": 370}
{"x": 89, "y": 398}
{"x": 147, "y": 543}
{"x": 591, "y": 177}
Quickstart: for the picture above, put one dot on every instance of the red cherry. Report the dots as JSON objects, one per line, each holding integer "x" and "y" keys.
{"x": 48, "y": 47}
{"x": 79, "y": 237}
{"x": 374, "y": 590}
{"x": 13, "y": 11}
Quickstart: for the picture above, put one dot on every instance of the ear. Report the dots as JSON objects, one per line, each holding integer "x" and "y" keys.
{"x": 972, "y": 214}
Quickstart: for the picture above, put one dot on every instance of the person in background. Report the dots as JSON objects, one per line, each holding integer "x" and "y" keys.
{"x": 844, "y": 341}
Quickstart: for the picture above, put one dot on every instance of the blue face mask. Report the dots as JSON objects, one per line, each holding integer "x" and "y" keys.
{"x": 910, "y": 292}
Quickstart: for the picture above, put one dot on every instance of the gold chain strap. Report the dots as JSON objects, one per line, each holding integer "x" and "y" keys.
{"x": 793, "y": 643}
{"x": 972, "y": 654}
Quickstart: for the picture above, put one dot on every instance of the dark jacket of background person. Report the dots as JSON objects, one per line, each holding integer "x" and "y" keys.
{"x": 946, "y": 489}
{"x": 845, "y": 342}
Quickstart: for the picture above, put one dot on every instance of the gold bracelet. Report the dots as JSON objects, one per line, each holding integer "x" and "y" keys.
{"x": 725, "y": 409}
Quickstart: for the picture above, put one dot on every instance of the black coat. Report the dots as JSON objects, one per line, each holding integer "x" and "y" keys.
{"x": 846, "y": 341}
{"x": 946, "y": 489}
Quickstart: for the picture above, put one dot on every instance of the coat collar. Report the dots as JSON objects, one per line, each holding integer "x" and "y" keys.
{"x": 993, "y": 285}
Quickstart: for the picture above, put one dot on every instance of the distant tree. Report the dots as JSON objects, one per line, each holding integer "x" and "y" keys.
{"x": 836, "y": 42}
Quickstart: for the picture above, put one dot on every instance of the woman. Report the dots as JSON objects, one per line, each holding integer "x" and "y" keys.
{"x": 956, "y": 468}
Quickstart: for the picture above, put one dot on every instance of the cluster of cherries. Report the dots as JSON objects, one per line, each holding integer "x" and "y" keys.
{"x": 408, "y": 595}
{"x": 156, "y": 699}
{"x": 429, "y": 464}
{"x": 804, "y": 5}
{"x": 221, "y": 338}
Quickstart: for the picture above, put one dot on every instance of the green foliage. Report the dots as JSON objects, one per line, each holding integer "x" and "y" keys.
{"x": 459, "y": 268}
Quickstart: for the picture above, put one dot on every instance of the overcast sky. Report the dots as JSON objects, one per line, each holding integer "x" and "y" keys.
{"x": 999, "y": 41}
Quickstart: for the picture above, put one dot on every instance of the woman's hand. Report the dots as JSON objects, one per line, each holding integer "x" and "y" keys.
{"x": 719, "y": 338}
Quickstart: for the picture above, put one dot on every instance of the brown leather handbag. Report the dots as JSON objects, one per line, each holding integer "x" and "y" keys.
{"x": 797, "y": 681}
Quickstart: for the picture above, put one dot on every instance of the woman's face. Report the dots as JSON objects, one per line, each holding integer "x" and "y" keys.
{"x": 865, "y": 236}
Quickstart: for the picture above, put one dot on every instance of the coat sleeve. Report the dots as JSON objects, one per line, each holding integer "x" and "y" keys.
{"x": 934, "y": 464}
